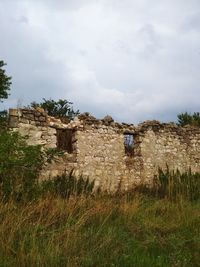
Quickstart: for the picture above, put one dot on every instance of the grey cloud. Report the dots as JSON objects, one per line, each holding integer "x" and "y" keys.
{"x": 134, "y": 60}
{"x": 66, "y": 5}
{"x": 192, "y": 23}
{"x": 21, "y": 19}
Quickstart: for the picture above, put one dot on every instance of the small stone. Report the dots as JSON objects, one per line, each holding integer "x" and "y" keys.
{"x": 107, "y": 119}
{"x": 37, "y": 114}
{"x": 42, "y": 118}
{"x": 29, "y": 116}
{"x": 41, "y": 110}
{"x": 22, "y": 120}
{"x": 32, "y": 123}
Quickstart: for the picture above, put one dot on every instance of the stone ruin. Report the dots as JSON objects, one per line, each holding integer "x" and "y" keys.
{"x": 116, "y": 156}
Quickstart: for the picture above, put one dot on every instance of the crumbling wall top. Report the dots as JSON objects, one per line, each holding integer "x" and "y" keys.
{"x": 39, "y": 117}
{"x": 157, "y": 126}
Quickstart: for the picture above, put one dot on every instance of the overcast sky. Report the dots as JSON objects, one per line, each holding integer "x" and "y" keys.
{"x": 132, "y": 59}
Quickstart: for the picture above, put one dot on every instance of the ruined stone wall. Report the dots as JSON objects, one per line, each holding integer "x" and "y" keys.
{"x": 35, "y": 125}
{"x": 168, "y": 145}
{"x": 100, "y": 156}
{"x": 98, "y": 150}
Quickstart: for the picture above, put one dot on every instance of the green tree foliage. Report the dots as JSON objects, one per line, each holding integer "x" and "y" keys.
{"x": 19, "y": 166}
{"x": 60, "y": 109}
{"x": 3, "y": 118}
{"x": 5, "y": 82}
{"x": 189, "y": 119}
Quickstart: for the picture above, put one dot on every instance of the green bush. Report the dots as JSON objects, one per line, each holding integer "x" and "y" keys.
{"x": 19, "y": 166}
{"x": 3, "y": 119}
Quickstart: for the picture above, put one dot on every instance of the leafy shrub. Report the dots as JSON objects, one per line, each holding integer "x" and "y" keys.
{"x": 19, "y": 166}
{"x": 3, "y": 119}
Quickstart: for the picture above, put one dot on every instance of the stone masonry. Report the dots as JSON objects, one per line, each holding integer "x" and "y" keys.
{"x": 99, "y": 149}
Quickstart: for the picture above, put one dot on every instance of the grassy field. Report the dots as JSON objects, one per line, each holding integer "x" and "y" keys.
{"x": 59, "y": 223}
{"x": 99, "y": 231}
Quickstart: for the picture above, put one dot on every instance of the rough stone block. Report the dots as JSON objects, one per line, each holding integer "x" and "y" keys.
{"x": 37, "y": 114}
{"x": 42, "y": 118}
{"x": 23, "y": 120}
{"x": 13, "y": 122}
{"x": 13, "y": 112}
{"x": 29, "y": 116}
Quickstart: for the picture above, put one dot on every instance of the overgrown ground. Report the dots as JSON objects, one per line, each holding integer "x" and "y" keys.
{"x": 100, "y": 231}
{"x": 60, "y": 222}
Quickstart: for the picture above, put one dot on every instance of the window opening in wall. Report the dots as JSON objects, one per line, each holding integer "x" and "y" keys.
{"x": 129, "y": 144}
{"x": 65, "y": 139}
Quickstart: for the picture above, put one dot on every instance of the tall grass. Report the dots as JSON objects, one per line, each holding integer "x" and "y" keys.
{"x": 67, "y": 185}
{"x": 62, "y": 223}
{"x": 65, "y": 224}
{"x": 99, "y": 231}
{"x": 175, "y": 185}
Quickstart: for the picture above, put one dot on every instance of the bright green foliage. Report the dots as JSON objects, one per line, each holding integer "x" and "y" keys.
{"x": 61, "y": 108}
{"x": 19, "y": 166}
{"x": 189, "y": 119}
{"x": 5, "y": 82}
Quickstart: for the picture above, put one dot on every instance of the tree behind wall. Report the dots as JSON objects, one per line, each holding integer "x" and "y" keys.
{"x": 60, "y": 109}
{"x": 189, "y": 119}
